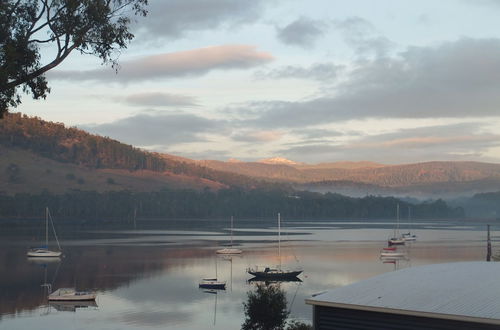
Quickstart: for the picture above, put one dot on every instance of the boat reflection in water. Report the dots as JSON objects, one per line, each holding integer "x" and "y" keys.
{"x": 72, "y": 306}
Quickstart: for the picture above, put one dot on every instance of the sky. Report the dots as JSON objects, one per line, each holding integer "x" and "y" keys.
{"x": 313, "y": 81}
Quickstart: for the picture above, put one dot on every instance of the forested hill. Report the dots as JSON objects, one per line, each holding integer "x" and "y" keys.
{"x": 72, "y": 145}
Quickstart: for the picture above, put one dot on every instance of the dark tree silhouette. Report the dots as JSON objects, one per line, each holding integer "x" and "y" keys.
{"x": 97, "y": 27}
{"x": 265, "y": 308}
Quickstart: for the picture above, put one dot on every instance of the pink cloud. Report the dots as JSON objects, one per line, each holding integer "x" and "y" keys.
{"x": 193, "y": 62}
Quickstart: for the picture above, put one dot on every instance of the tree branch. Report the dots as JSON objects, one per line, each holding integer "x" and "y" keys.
{"x": 42, "y": 70}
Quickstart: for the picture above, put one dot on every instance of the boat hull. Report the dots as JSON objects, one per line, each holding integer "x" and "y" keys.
{"x": 43, "y": 254}
{"x": 229, "y": 251}
{"x": 275, "y": 275}
{"x": 73, "y": 298}
{"x": 392, "y": 255}
{"x": 221, "y": 286}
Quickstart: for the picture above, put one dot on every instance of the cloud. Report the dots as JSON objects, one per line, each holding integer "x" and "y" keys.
{"x": 452, "y": 80}
{"x": 318, "y": 71}
{"x": 258, "y": 136}
{"x": 194, "y": 62}
{"x": 158, "y": 129}
{"x": 158, "y": 99}
{"x": 464, "y": 141}
{"x": 302, "y": 32}
{"x": 175, "y": 18}
{"x": 362, "y": 36}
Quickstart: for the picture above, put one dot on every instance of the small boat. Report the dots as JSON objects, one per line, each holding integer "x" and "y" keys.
{"x": 396, "y": 239}
{"x": 43, "y": 251}
{"x": 230, "y": 250}
{"x": 409, "y": 237}
{"x": 212, "y": 283}
{"x": 67, "y": 294}
{"x": 273, "y": 273}
{"x": 268, "y": 273}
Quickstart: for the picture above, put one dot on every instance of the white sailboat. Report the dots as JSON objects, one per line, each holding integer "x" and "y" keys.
{"x": 230, "y": 250}
{"x": 409, "y": 237}
{"x": 69, "y": 294}
{"x": 277, "y": 273}
{"x": 397, "y": 239}
{"x": 43, "y": 251}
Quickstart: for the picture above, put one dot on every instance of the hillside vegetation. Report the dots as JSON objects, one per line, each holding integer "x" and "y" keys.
{"x": 69, "y": 145}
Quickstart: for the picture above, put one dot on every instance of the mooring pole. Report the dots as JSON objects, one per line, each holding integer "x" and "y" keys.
{"x": 488, "y": 252}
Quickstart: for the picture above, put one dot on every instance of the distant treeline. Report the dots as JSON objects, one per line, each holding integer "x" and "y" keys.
{"x": 122, "y": 205}
{"x": 72, "y": 145}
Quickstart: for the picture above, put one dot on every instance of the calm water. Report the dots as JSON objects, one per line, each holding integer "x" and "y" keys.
{"x": 147, "y": 277}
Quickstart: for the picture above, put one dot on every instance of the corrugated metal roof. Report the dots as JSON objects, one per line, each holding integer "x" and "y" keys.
{"x": 470, "y": 289}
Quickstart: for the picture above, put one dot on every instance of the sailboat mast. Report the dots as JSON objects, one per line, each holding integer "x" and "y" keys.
{"x": 47, "y": 227}
{"x": 231, "y": 231}
{"x": 397, "y": 226}
{"x": 279, "y": 239}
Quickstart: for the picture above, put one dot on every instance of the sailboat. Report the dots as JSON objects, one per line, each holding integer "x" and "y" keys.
{"x": 269, "y": 273}
{"x": 43, "y": 251}
{"x": 397, "y": 239}
{"x": 409, "y": 237}
{"x": 212, "y": 282}
{"x": 230, "y": 250}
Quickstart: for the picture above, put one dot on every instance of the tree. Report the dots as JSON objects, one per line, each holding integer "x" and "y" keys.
{"x": 97, "y": 27}
{"x": 265, "y": 308}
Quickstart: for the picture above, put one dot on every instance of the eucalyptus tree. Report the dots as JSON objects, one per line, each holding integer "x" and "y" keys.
{"x": 97, "y": 27}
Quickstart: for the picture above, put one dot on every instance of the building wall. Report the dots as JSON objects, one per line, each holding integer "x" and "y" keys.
{"x": 327, "y": 318}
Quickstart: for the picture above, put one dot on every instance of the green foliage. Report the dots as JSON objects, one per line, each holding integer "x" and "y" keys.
{"x": 297, "y": 325}
{"x": 207, "y": 204}
{"x": 265, "y": 308}
{"x": 93, "y": 27}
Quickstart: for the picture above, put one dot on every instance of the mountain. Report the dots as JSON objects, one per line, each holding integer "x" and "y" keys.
{"x": 428, "y": 179}
{"x": 38, "y": 155}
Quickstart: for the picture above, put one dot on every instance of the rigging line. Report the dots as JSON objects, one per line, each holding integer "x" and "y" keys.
{"x": 53, "y": 229}
{"x": 293, "y": 299}
{"x": 291, "y": 246}
{"x": 55, "y": 273}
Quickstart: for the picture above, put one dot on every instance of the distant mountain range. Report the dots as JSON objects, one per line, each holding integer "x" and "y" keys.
{"x": 36, "y": 154}
{"x": 428, "y": 179}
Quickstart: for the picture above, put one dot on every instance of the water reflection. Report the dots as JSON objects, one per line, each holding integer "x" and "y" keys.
{"x": 149, "y": 277}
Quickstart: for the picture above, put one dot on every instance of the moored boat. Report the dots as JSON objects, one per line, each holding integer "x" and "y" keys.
{"x": 69, "y": 294}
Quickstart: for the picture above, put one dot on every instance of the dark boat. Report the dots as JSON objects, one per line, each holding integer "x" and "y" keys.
{"x": 212, "y": 283}
{"x": 274, "y": 273}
